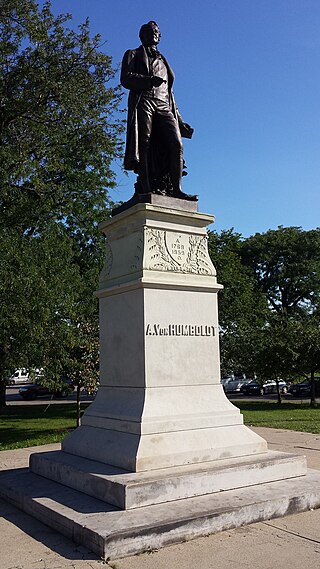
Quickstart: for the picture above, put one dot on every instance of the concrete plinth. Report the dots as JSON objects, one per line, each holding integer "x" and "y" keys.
{"x": 129, "y": 490}
{"x": 160, "y": 403}
{"x": 112, "y": 533}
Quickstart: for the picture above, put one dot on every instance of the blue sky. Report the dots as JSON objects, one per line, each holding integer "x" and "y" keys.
{"x": 248, "y": 81}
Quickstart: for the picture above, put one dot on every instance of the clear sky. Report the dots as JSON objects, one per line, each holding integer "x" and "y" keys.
{"x": 248, "y": 81}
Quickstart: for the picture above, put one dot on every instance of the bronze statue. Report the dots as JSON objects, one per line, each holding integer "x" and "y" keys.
{"x": 154, "y": 147}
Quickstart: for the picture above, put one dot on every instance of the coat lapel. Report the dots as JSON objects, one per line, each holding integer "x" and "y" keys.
{"x": 144, "y": 57}
{"x": 170, "y": 72}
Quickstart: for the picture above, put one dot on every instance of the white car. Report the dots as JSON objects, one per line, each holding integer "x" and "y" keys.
{"x": 231, "y": 385}
{"x": 23, "y": 376}
{"x": 271, "y": 386}
{"x": 19, "y": 376}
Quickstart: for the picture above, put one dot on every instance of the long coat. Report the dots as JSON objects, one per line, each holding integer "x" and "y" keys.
{"x": 136, "y": 76}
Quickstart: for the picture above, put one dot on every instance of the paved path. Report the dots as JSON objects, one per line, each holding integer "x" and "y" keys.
{"x": 288, "y": 543}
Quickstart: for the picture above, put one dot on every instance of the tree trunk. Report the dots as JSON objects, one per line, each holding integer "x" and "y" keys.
{"x": 3, "y": 371}
{"x": 78, "y": 405}
{"x": 2, "y": 392}
{"x": 278, "y": 392}
{"x": 313, "y": 402}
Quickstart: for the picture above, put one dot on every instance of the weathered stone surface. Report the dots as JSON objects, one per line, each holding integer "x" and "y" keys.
{"x": 134, "y": 490}
{"x": 156, "y": 199}
{"x": 112, "y": 533}
{"x": 159, "y": 245}
{"x": 160, "y": 403}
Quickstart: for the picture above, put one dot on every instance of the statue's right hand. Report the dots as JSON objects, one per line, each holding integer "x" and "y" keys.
{"x": 157, "y": 81}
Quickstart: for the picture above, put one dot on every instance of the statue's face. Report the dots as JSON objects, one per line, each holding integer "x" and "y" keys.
{"x": 151, "y": 36}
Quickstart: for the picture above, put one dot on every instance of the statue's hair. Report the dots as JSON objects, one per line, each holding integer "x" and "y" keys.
{"x": 144, "y": 28}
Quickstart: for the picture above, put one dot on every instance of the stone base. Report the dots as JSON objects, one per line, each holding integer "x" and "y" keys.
{"x": 138, "y": 453}
{"x": 160, "y": 403}
{"x": 112, "y": 533}
{"x": 134, "y": 490}
{"x": 156, "y": 199}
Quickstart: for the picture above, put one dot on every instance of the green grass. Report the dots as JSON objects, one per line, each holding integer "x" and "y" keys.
{"x": 32, "y": 425}
{"x": 293, "y": 416}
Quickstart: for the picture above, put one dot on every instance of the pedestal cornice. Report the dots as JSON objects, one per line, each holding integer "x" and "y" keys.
{"x": 152, "y": 245}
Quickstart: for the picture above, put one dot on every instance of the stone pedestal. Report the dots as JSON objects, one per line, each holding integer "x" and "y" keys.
{"x": 161, "y": 455}
{"x": 160, "y": 403}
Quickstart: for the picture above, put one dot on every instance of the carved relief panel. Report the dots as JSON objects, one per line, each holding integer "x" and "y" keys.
{"x": 156, "y": 250}
{"x": 178, "y": 252}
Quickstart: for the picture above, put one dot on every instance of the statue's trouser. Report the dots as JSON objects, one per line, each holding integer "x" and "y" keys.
{"x": 156, "y": 113}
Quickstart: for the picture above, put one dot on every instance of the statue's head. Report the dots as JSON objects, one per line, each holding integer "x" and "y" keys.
{"x": 150, "y": 34}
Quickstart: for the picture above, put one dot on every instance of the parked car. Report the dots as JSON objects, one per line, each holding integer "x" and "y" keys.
{"x": 231, "y": 385}
{"x": 34, "y": 390}
{"x": 303, "y": 389}
{"x": 23, "y": 375}
{"x": 251, "y": 388}
{"x": 271, "y": 387}
{"x": 19, "y": 376}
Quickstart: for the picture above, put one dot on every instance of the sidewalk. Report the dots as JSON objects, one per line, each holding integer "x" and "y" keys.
{"x": 288, "y": 543}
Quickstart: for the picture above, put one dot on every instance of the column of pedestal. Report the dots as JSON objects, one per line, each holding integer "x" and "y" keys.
{"x": 160, "y": 402}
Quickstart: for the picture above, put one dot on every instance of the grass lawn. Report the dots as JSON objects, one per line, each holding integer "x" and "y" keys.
{"x": 32, "y": 425}
{"x": 294, "y": 416}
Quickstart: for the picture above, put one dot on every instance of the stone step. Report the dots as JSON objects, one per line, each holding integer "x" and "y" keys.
{"x": 134, "y": 490}
{"x": 113, "y": 533}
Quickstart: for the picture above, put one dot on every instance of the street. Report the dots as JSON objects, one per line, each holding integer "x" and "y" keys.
{"x": 13, "y": 397}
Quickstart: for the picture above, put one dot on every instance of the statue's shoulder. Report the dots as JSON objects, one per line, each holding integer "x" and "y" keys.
{"x": 136, "y": 51}
{"x": 132, "y": 54}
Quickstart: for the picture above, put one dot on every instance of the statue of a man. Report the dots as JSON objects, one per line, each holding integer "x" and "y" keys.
{"x": 154, "y": 147}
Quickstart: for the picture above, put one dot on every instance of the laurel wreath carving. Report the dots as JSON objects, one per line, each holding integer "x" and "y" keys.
{"x": 108, "y": 260}
{"x": 197, "y": 262}
{"x": 137, "y": 259}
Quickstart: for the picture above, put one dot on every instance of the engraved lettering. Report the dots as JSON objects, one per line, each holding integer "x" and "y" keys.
{"x": 198, "y": 330}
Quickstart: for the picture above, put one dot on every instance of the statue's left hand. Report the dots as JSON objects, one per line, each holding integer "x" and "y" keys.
{"x": 187, "y": 130}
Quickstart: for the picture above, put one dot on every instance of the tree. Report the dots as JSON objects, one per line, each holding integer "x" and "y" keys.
{"x": 275, "y": 354}
{"x": 269, "y": 308}
{"x": 242, "y": 308}
{"x": 84, "y": 361}
{"x": 286, "y": 265}
{"x": 59, "y": 133}
{"x": 307, "y": 339}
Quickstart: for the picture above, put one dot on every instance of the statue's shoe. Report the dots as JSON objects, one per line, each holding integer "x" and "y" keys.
{"x": 183, "y": 196}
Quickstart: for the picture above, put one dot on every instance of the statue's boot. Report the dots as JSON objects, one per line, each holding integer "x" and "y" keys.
{"x": 144, "y": 167}
{"x": 178, "y": 193}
